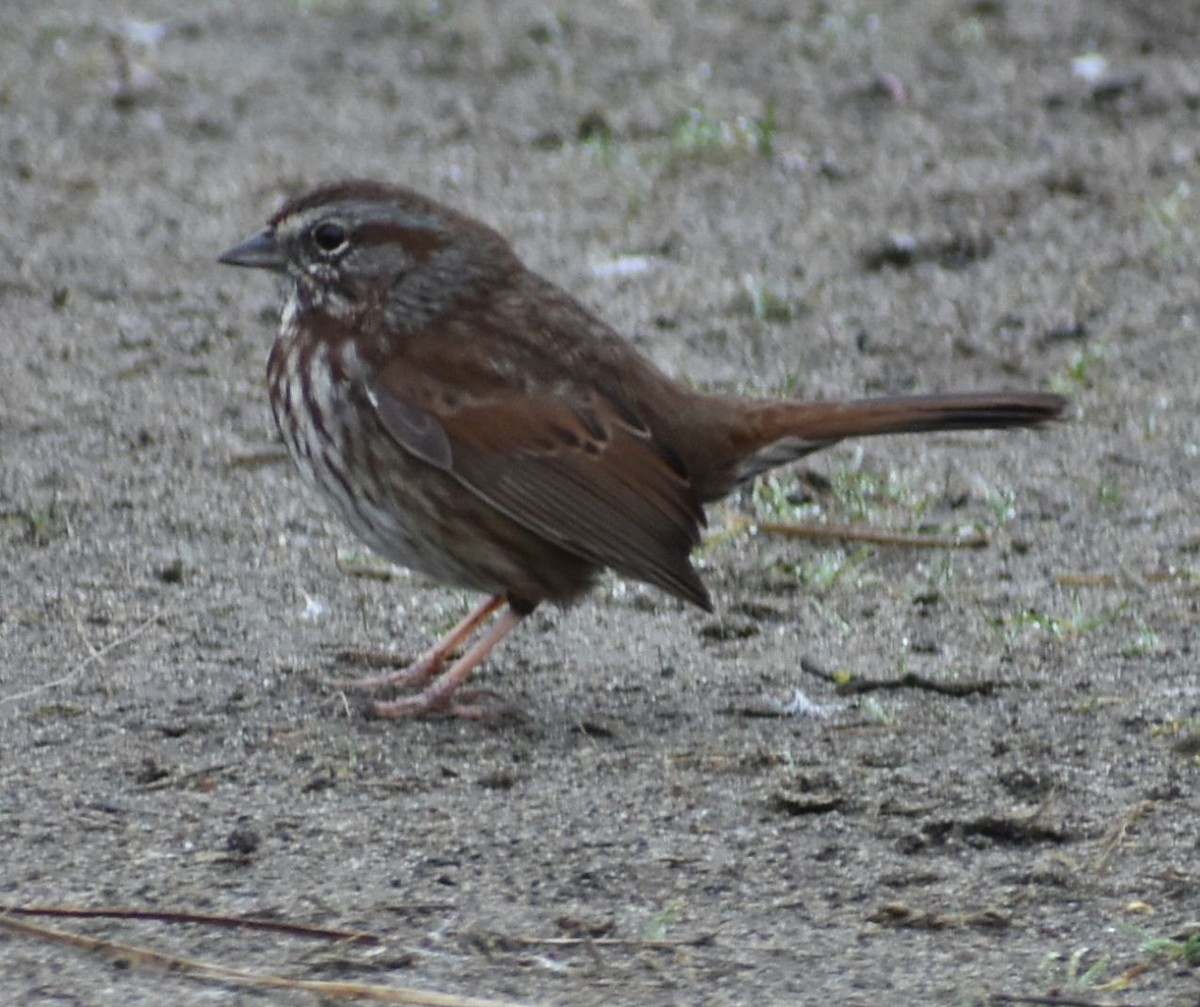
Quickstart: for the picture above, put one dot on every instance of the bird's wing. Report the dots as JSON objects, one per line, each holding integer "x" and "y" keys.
{"x": 579, "y": 468}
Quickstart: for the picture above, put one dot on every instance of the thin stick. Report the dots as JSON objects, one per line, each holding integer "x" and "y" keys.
{"x": 210, "y": 919}
{"x": 874, "y": 536}
{"x": 258, "y": 458}
{"x": 853, "y": 685}
{"x": 1050, "y": 1001}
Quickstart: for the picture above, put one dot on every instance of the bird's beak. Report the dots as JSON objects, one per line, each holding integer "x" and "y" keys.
{"x": 259, "y": 252}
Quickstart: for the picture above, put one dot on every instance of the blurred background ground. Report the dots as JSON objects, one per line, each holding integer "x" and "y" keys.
{"x": 812, "y": 199}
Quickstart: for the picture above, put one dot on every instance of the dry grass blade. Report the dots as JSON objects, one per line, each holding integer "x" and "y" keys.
{"x": 1116, "y": 834}
{"x": 647, "y": 943}
{"x": 95, "y": 654}
{"x": 137, "y": 957}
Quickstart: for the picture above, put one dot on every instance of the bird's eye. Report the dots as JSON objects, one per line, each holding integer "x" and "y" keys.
{"x": 329, "y": 237}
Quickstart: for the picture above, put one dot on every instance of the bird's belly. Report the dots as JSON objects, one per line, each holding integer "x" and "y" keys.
{"x": 334, "y": 439}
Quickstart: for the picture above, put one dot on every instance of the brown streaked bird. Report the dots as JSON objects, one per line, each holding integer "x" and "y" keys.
{"x": 472, "y": 421}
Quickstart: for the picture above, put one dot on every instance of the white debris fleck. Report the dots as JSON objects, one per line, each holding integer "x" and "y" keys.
{"x": 801, "y": 706}
{"x": 314, "y": 608}
{"x": 1091, "y": 66}
{"x": 625, "y": 265}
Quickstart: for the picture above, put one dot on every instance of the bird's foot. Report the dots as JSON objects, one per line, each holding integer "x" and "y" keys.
{"x": 411, "y": 676}
{"x": 470, "y": 704}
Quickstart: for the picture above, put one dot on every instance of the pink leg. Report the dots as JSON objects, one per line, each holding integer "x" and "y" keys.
{"x": 438, "y": 697}
{"x": 429, "y": 663}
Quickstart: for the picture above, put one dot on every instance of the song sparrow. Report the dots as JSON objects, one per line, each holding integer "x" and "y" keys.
{"x": 471, "y": 420}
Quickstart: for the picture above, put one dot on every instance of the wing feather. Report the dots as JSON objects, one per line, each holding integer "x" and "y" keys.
{"x": 586, "y": 475}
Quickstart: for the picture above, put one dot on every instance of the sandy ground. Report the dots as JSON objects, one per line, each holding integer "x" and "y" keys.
{"x": 801, "y": 198}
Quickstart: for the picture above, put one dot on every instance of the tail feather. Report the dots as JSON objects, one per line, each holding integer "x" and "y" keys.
{"x": 780, "y": 432}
